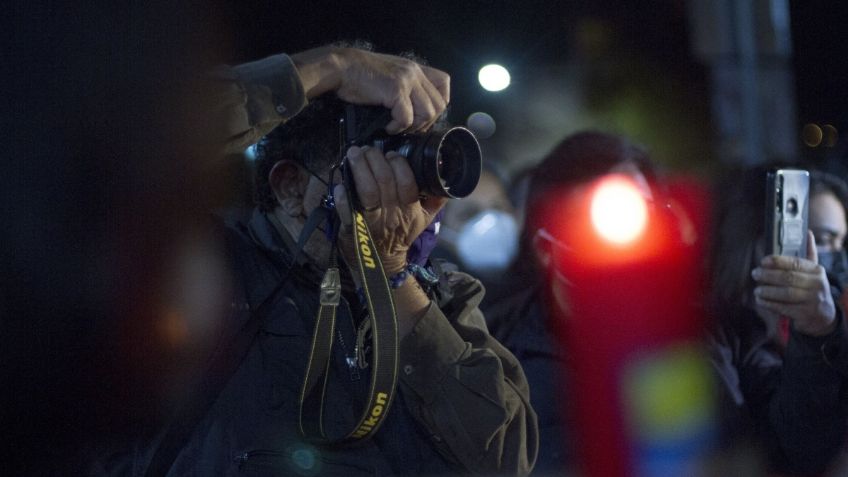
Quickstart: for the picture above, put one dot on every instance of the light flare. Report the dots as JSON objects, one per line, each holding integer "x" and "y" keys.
{"x": 619, "y": 212}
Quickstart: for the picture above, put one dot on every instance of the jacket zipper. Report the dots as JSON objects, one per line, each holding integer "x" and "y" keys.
{"x": 243, "y": 457}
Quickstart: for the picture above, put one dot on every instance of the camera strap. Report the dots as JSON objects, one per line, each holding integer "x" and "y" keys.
{"x": 384, "y": 343}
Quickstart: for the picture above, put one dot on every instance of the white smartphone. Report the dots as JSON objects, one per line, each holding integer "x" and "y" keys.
{"x": 787, "y": 209}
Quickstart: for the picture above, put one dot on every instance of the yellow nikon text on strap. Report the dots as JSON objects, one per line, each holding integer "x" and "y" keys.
{"x": 363, "y": 241}
{"x": 374, "y": 418}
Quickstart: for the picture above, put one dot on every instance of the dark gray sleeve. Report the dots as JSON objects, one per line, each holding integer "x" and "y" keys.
{"x": 256, "y": 97}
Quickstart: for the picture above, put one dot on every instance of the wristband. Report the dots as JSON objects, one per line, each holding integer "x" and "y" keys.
{"x": 396, "y": 280}
{"x": 424, "y": 276}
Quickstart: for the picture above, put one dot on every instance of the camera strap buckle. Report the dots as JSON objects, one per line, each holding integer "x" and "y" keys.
{"x": 331, "y": 288}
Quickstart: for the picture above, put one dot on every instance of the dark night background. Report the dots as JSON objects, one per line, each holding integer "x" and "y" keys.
{"x": 617, "y": 43}
{"x": 101, "y": 173}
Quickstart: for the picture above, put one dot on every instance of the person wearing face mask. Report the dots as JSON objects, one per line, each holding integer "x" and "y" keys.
{"x": 479, "y": 233}
{"x": 785, "y": 403}
{"x": 828, "y": 203}
{"x": 522, "y": 319}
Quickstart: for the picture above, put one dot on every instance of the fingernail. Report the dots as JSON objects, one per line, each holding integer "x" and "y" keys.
{"x": 756, "y": 273}
{"x": 758, "y": 291}
{"x": 354, "y": 152}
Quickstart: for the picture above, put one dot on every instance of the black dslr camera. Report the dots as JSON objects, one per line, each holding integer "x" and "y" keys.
{"x": 445, "y": 163}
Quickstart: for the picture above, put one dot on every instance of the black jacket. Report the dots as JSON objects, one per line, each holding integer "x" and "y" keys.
{"x": 461, "y": 406}
{"x": 795, "y": 406}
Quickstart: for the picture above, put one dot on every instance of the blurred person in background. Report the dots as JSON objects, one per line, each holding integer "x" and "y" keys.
{"x": 524, "y": 319}
{"x": 106, "y": 179}
{"x": 479, "y": 233}
{"x": 828, "y": 202}
{"x": 789, "y": 405}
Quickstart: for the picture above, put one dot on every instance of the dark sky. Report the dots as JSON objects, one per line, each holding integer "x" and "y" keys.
{"x": 460, "y": 36}
{"x": 821, "y": 61}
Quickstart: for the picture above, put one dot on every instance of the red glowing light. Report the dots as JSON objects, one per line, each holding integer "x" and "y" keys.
{"x": 618, "y": 210}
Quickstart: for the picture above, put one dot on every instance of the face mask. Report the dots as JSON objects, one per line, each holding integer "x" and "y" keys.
{"x": 486, "y": 243}
{"x": 836, "y": 265}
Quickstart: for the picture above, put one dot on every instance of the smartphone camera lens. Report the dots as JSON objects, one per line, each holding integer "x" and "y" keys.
{"x": 792, "y": 206}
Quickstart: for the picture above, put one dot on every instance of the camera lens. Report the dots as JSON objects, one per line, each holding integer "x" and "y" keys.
{"x": 448, "y": 164}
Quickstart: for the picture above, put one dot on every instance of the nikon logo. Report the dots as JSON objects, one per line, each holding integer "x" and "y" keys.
{"x": 363, "y": 243}
{"x": 373, "y": 417}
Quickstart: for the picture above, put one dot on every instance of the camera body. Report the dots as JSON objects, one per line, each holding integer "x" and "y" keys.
{"x": 445, "y": 162}
{"x": 787, "y": 209}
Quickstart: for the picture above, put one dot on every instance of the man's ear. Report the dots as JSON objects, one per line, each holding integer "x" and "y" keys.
{"x": 286, "y": 182}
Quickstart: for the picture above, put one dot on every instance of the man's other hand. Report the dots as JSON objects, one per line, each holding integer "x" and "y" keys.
{"x": 415, "y": 94}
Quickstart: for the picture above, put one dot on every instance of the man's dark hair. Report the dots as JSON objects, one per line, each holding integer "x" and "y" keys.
{"x": 312, "y": 139}
{"x": 738, "y": 222}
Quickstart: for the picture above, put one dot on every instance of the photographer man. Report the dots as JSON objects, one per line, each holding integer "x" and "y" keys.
{"x": 462, "y": 403}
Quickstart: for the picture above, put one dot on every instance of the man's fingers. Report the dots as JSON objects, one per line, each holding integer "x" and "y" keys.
{"x": 366, "y": 186}
{"x": 407, "y": 189}
{"x": 436, "y": 97}
{"x": 383, "y": 175}
{"x": 415, "y": 94}
{"x": 423, "y": 110}
{"x": 342, "y": 204}
{"x": 402, "y": 114}
{"x": 436, "y": 100}
{"x": 440, "y": 80}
